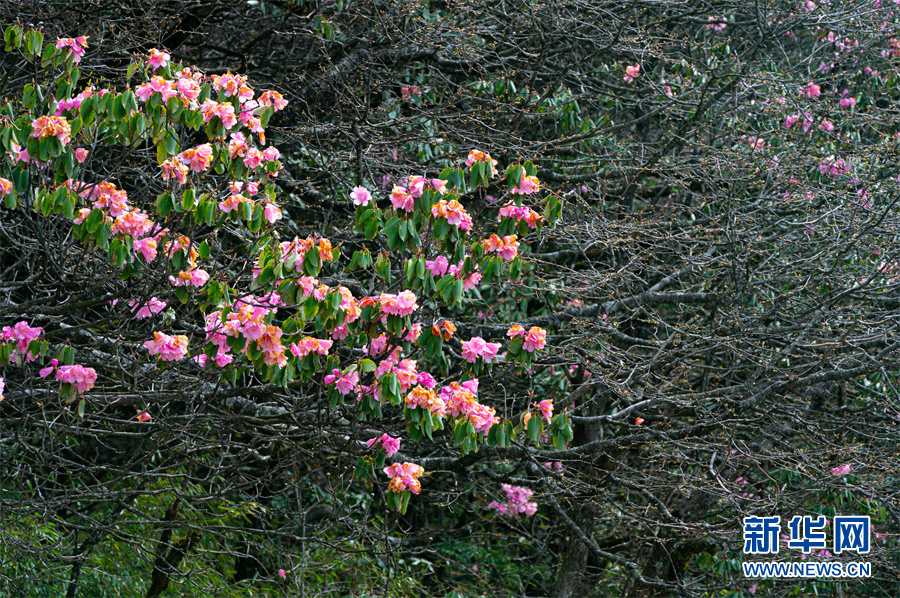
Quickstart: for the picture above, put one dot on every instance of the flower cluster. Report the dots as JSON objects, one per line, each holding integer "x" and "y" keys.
{"x": 835, "y": 167}
{"x": 22, "y": 334}
{"x": 453, "y": 212}
{"x": 520, "y": 213}
{"x": 147, "y": 309}
{"x": 477, "y": 347}
{"x": 507, "y": 247}
{"x": 535, "y": 337}
{"x": 479, "y": 156}
{"x": 631, "y": 72}
{"x": 527, "y": 186}
{"x": 460, "y": 401}
{"x": 81, "y": 377}
{"x": 6, "y": 187}
{"x": 345, "y": 382}
{"x": 401, "y": 199}
{"x": 518, "y": 502}
{"x": 387, "y": 442}
{"x": 169, "y": 348}
{"x": 546, "y": 407}
{"x": 427, "y": 399}
{"x": 398, "y": 305}
{"x": 52, "y": 126}
{"x": 75, "y": 44}
{"x": 360, "y": 196}
{"x": 445, "y": 329}
{"x": 404, "y": 476}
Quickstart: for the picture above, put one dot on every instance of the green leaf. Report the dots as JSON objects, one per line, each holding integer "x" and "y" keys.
{"x": 203, "y": 250}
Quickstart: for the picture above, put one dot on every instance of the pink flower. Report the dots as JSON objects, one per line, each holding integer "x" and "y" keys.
{"x": 517, "y": 502}
{"x": 478, "y": 347}
{"x": 716, "y": 23}
{"x": 198, "y": 158}
{"x": 345, "y": 382}
{"x": 437, "y": 266}
{"x": 360, "y": 196}
{"x": 401, "y": 200}
{"x": 272, "y": 213}
{"x": 2, "y": 386}
{"x": 23, "y": 334}
{"x": 81, "y": 154}
{"x": 631, "y": 72}
{"x": 168, "y": 348}
{"x": 546, "y": 407}
{"x": 76, "y": 45}
{"x": 158, "y": 59}
{"x": 143, "y": 416}
{"x": 848, "y": 102}
{"x": 399, "y": 305}
{"x": 389, "y": 444}
{"x": 83, "y": 378}
{"x": 152, "y": 307}
{"x": 826, "y": 125}
{"x": 527, "y": 186}
{"x": 404, "y": 476}
{"x": 841, "y": 470}
{"x": 282, "y": 573}
{"x": 812, "y": 90}
{"x": 791, "y": 120}
{"x": 535, "y": 339}
{"x": 194, "y": 277}
{"x": 146, "y": 247}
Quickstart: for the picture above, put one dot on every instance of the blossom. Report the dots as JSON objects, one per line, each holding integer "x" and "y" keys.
{"x": 716, "y": 23}
{"x": 527, "y": 186}
{"x": 518, "y": 502}
{"x": 134, "y": 223}
{"x": 175, "y": 169}
{"x": 520, "y": 213}
{"x": 75, "y": 44}
{"x": 83, "y": 378}
{"x": 282, "y": 573}
{"x": 360, "y": 196}
{"x": 546, "y": 407}
{"x": 6, "y": 186}
{"x": 169, "y": 348}
{"x": 417, "y": 185}
{"x": 309, "y": 345}
{"x": 144, "y": 416}
{"x": 272, "y": 213}
{"x": 198, "y": 158}
{"x": 81, "y": 154}
{"x": 194, "y": 277}
{"x": 535, "y": 339}
{"x": 477, "y": 347}
{"x": 148, "y": 308}
{"x": 345, "y": 382}
{"x": 426, "y": 399}
{"x": 2, "y": 386}
{"x": 631, "y": 72}
{"x": 146, "y": 247}
{"x": 841, "y": 470}
{"x": 52, "y": 126}
{"x": 479, "y": 156}
{"x": 404, "y": 476}
{"x": 812, "y": 90}
{"x": 273, "y": 99}
{"x": 399, "y": 305}
{"x": 507, "y": 247}
{"x": 22, "y": 334}
{"x": 387, "y": 442}
{"x": 158, "y": 59}
{"x": 848, "y": 102}
{"x": 445, "y": 329}
{"x": 834, "y": 167}
{"x": 401, "y": 200}
{"x": 454, "y": 212}
{"x": 437, "y": 266}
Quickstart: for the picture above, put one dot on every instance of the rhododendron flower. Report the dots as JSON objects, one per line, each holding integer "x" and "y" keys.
{"x": 848, "y": 102}
{"x": 6, "y": 186}
{"x": 477, "y": 347}
{"x": 81, "y": 154}
{"x": 144, "y": 416}
{"x": 478, "y": 156}
{"x": 416, "y": 185}
{"x": 518, "y": 502}
{"x": 520, "y": 213}
{"x": 437, "y": 266}
{"x": 445, "y": 329}
{"x": 408, "y": 91}
{"x": 272, "y": 213}
{"x": 535, "y": 339}
{"x": 360, "y": 196}
{"x": 638, "y": 421}
{"x": 194, "y": 277}
{"x": 2, "y": 387}
{"x": 546, "y": 407}
{"x": 401, "y": 200}
{"x": 83, "y": 378}
{"x": 453, "y": 212}
{"x": 412, "y": 334}
{"x": 282, "y": 573}
{"x": 507, "y": 247}
{"x": 52, "y": 126}
{"x": 75, "y": 44}
{"x": 834, "y": 167}
{"x": 515, "y": 331}
{"x": 158, "y": 59}
{"x": 18, "y": 153}
{"x": 147, "y": 309}
{"x": 173, "y": 168}
{"x": 398, "y": 305}
{"x": 23, "y": 334}
{"x": 146, "y": 247}
{"x": 198, "y": 158}
{"x": 404, "y": 476}
{"x": 527, "y": 186}
{"x": 188, "y": 90}
{"x": 50, "y": 369}
{"x": 791, "y": 120}
{"x": 426, "y": 399}
{"x": 841, "y": 470}
{"x": 716, "y": 23}
{"x": 345, "y": 382}
{"x": 387, "y": 442}
{"x": 273, "y": 99}
{"x": 134, "y": 223}
{"x": 169, "y": 348}
{"x": 631, "y": 72}
{"x": 309, "y": 345}
{"x": 812, "y": 90}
